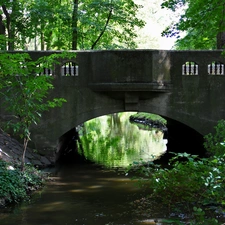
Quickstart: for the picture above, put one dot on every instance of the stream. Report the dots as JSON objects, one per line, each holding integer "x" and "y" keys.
{"x": 79, "y": 194}
{"x": 94, "y": 193}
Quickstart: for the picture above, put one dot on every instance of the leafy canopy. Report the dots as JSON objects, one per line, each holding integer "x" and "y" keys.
{"x": 201, "y": 20}
{"x": 66, "y": 24}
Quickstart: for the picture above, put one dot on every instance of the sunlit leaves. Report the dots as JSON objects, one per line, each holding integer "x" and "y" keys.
{"x": 201, "y": 20}
{"x": 51, "y": 23}
{"x": 120, "y": 29}
{"x": 24, "y": 91}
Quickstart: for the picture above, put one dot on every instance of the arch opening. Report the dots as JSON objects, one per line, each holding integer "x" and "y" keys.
{"x": 180, "y": 138}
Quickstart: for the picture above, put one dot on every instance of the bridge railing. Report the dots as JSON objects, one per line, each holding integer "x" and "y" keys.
{"x": 69, "y": 69}
{"x": 200, "y": 63}
{"x": 135, "y": 66}
{"x": 191, "y": 68}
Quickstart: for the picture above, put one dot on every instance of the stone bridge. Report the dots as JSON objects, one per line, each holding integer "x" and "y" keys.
{"x": 183, "y": 86}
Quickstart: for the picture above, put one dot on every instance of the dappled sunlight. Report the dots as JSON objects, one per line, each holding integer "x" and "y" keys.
{"x": 95, "y": 186}
{"x": 54, "y": 205}
{"x": 114, "y": 179}
{"x": 91, "y": 194}
{"x": 90, "y": 188}
{"x": 80, "y": 195}
{"x": 60, "y": 183}
{"x": 77, "y": 190}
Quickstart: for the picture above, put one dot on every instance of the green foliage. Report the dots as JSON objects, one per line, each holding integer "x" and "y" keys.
{"x": 215, "y": 143}
{"x": 108, "y": 141}
{"x": 92, "y": 24}
{"x": 189, "y": 184}
{"x": 24, "y": 91}
{"x": 99, "y": 147}
{"x": 200, "y": 218}
{"x": 16, "y": 185}
{"x": 201, "y": 20}
{"x": 119, "y": 32}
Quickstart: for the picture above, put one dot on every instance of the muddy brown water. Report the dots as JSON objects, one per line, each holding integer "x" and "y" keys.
{"x": 82, "y": 195}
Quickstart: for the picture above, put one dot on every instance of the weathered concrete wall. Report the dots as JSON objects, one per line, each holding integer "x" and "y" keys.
{"x": 135, "y": 80}
{"x": 197, "y": 100}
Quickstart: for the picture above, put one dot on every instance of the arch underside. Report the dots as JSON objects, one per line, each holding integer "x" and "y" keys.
{"x": 73, "y": 116}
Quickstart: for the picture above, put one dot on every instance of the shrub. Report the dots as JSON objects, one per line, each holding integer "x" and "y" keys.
{"x": 190, "y": 184}
{"x": 16, "y": 184}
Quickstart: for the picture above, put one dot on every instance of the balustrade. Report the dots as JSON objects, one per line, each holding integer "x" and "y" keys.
{"x": 190, "y": 68}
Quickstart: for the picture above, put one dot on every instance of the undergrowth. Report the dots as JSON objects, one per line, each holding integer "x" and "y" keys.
{"x": 17, "y": 185}
{"x": 189, "y": 185}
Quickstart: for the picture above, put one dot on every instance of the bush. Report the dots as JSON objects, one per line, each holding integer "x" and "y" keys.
{"x": 215, "y": 143}
{"x": 15, "y": 185}
{"x": 189, "y": 184}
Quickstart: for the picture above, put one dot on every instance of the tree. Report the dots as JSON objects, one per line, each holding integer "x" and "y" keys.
{"x": 14, "y": 21}
{"x": 62, "y": 24}
{"x": 24, "y": 90}
{"x": 201, "y": 20}
{"x": 107, "y": 24}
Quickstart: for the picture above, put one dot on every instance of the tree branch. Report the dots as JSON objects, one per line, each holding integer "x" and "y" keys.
{"x": 104, "y": 29}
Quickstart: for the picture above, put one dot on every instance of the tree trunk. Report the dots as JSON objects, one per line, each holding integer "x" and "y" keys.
{"x": 48, "y": 41}
{"x": 2, "y": 32}
{"x": 8, "y": 27}
{"x": 25, "y": 142}
{"x": 42, "y": 42}
{"x": 220, "y": 40}
{"x": 2, "y": 26}
{"x": 74, "y": 25}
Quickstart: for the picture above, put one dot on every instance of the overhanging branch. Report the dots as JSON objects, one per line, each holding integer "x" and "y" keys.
{"x": 104, "y": 29}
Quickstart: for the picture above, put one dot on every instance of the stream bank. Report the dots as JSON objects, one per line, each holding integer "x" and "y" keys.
{"x": 17, "y": 185}
{"x": 11, "y": 151}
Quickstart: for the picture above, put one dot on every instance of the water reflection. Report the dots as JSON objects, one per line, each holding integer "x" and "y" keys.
{"x": 114, "y": 142}
{"x": 87, "y": 194}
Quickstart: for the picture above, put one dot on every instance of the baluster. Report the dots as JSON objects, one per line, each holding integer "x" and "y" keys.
{"x": 189, "y": 69}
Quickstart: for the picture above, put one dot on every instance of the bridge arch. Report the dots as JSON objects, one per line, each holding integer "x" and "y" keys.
{"x": 134, "y": 80}
{"x": 180, "y": 137}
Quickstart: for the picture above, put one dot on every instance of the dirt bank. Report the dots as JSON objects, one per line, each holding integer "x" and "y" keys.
{"x": 11, "y": 151}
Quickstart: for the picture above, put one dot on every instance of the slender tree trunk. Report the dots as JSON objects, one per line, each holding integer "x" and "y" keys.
{"x": 220, "y": 40}
{"x": 74, "y": 25}
{"x": 48, "y": 44}
{"x": 2, "y": 26}
{"x": 25, "y": 142}
{"x": 8, "y": 27}
{"x": 2, "y": 32}
{"x": 79, "y": 143}
{"x": 35, "y": 42}
{"x": 42, "y": 42}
